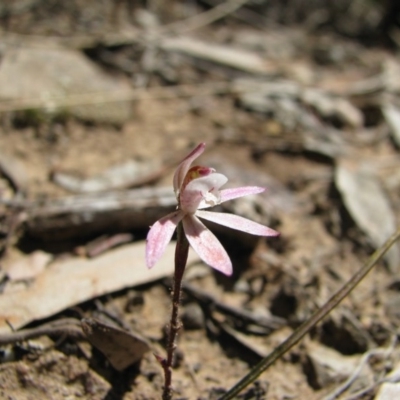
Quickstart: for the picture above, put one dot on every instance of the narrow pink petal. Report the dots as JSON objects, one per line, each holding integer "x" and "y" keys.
{"x": 160, "y": 235}
{"x": 236, "y": 222}
{"x": 206, "y": 245}
{"x": 184, "y": 166}
{"x": 230, "y": 194}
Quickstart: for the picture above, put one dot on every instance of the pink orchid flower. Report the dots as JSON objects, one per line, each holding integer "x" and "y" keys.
{"x": 197, "y": 188}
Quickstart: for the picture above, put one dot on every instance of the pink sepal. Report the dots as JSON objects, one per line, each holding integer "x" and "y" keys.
{"x": 160, "y": 235}
{"x": 206, "y": 245}
{"x": 184, "y": 166}
{"x": 237, "y": 222}
{"x": 230, "y": 194}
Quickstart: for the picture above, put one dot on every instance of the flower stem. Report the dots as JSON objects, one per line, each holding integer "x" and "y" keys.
{"x": 181, "y": 255}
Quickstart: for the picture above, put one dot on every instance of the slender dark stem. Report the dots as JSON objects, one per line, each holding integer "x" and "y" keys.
{"x": 302, "y": 330}
{"x": 181, "y": 255}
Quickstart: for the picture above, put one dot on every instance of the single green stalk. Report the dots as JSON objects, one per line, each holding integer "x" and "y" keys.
{"x": 303, "y": 329}
{"x": 181, "y": 256}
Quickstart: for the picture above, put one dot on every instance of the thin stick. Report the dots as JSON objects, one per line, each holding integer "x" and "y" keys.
{"x": 64, "y": 326}
{"x": 202, "y": 19}
{"x": 181, "y": 255}
{"x": 302, "y": 330}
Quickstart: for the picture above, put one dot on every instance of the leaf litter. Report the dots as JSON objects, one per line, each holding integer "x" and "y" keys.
{"x": 309, "y": 116}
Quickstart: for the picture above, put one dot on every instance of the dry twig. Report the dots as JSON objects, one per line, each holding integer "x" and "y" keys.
{"x": 61, "y": 327}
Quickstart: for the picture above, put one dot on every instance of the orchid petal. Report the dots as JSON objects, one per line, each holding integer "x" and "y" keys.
{"x": 206, "y": 245}
{"x": 202, "y": 192}
{"x": 234, "y": 193}
{"x": 184, "y": 166}
{"x": 236, "y": 222}
{"x": 160, "y": 235}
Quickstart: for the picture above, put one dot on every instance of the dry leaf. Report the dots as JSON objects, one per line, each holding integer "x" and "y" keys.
{"x": 128, "y": 174}
{"x": 70, "y": 282}
{"x": 122, "y": 348}
{"x": 368, "y": 205}
{"x": 29, "y": 266}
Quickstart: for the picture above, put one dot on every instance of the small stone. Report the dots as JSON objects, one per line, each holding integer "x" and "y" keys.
{"x": 193, "y": 317}
{"x": 325, "y": 366}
